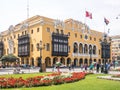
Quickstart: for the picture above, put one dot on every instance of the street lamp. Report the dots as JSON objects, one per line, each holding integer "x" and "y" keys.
{"x": 105, "y": 48}
{"x": 40, "y": 47}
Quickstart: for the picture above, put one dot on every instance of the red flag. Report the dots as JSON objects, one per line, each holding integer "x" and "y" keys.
{"x": 88, "y": 14}
{"x": 106, "y": 21}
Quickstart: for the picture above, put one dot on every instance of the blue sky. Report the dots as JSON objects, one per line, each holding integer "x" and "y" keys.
{"x": 14, "y": 11}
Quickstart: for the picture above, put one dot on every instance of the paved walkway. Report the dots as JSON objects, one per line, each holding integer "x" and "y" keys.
{"x": 36, "y": 70}
{"x": 109, "y": 78}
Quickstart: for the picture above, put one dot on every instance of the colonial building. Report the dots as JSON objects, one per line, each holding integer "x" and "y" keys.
{"x": 115, "y": 47}
{"x": 41, "y": 40}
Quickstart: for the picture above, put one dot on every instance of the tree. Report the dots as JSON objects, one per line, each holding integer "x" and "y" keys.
{"x": 8, "y": 58}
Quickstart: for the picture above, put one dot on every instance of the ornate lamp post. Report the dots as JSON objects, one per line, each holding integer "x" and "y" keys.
{"x": 42, "y": 66}
{"x": 105, "y": 48}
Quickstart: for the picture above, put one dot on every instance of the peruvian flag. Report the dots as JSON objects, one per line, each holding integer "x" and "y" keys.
{"x": 88, "y": 14}
{"x": 106, "y": 21}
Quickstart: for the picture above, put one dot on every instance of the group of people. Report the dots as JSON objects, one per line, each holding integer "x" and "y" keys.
{"x": 103, "y": 67}
{"x": 93, "y": 66}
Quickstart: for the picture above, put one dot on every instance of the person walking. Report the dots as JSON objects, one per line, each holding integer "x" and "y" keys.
{"x": 69, "y": 66}
{"x": 102, "y": 68}
{"x": 91, "y": 67}
{"x": 72, "y": 66}
{"x": 97, "y": 67}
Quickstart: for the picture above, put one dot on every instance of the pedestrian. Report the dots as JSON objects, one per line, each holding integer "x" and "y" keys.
{"x": 102, "y": 68}
{"x": 69, "y": 66}
{"x": 91, "y": 67}
{"x": 81, "y": 66}
{"x": 85, "y": 67}
{"x": 72, "y": 66}
{"x": 54, "y": 67}
{"x": 97, "y": 67}
{"x": 58, "y": 64}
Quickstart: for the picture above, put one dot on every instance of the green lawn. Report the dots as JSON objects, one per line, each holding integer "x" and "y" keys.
{"x": 89, "y": 83}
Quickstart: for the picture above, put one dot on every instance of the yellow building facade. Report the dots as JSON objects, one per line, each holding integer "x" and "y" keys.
{"x": 81, "y": 44}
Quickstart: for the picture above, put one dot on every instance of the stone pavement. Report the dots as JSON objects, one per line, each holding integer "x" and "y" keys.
{"x": 36, "y": 70}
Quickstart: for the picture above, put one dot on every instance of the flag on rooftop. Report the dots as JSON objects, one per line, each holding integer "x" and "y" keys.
{"x": 88, "y": 14}
{"x": 106, "y": 21}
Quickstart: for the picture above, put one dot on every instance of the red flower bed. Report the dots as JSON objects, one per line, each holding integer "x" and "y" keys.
{"x": 54, "y": 78}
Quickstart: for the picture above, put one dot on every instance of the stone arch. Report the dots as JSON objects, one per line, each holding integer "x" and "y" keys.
{"x": 68, "y": 61}
{"x": 95, "y": 60}
{"x": 80, "y": 48}
{"x": 32, "y": 61}
{"x": 86, "y": 61}
{"x": 22, "y": 61}
{"x": 75, "y": 62}
{"x": 27, "y": 61}
{"x": 62, "y": 60}
{"x": 103, "y": 61}
{"x": 75, "y": 47}
{"x": 55, "y": 59}
{"x": 80, "y": 61}
{"x": 94, "y": 50}
{"x": 85, "y": 49}
{"x": 90, "y": 61}
{"x": 99, "y": 61}
{"x": 90, "y": 49}
{"x": 47, "y": 61}
{"x": 38, "y": 61}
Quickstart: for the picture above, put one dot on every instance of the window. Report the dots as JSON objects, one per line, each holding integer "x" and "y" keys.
{"x": 14, "y": 36}
{"x": 65, "y": 48}
{"x": 14, "y": 50}
{"x": 31, "y": 31}
{"x": 31, "y": 47}
{"x": 38, "y": 29}
{"x": 25, "y": 32}
{"x": 48, "y": 47}
{"x": 48, "y": 29}
{"x": 68, "y": 33}
{"x": 94, "y": 39}
{"x": 18, "y": 35}
{"x": 61, "y": 31}
{"x": 55, "y": 47}
{"x": 86, "y": 37}
{"x": 75, "y": 34}
{"x": 37, "y": 46}
{"x": 10, "y": 37}
{"x": 80, "y": 36}
{"x": 57, "y": 30}
{"x": 22, "y": 33}
{"x": 90, "y": 38}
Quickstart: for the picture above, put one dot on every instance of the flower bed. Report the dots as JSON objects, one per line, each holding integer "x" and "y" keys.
{"x": 51, "y": 79}
{"x": 116, "y": 75}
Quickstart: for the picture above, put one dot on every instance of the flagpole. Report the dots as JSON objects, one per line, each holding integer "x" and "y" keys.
{"x": 104, "y": 28}
{"x": 85, "y": 20}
